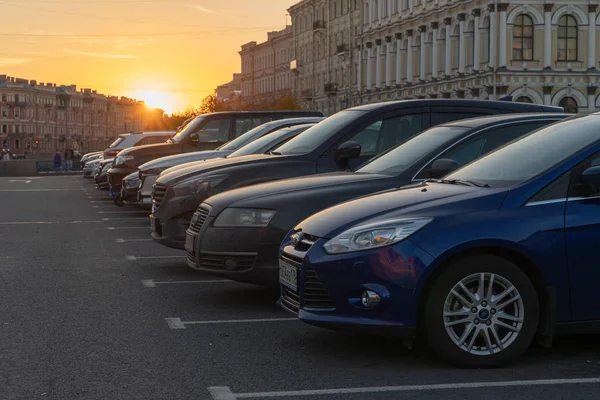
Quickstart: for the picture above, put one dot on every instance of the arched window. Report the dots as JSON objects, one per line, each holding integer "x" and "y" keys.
{"x": 524, "y": 99}
{"x": 567, "y": 38}
{"x": 522, "y": 46}
{"x": 569, "y": 104}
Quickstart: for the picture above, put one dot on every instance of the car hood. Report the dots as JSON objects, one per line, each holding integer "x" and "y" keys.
{"x": 427, "y": 200}
{"x": 254, "y": 196}
{"x": 158, "y": 150}
{"x": 171, "y": 161}
{"x": 173, "y": 177}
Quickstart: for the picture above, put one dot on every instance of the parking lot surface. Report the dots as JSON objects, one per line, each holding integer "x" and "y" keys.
{"x": 91, "y": 308}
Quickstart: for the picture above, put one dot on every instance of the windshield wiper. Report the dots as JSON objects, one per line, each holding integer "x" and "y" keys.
{"x": 170, "y": 141}
{"x": 275, "y": 153}
{"x": 460, "y": 182}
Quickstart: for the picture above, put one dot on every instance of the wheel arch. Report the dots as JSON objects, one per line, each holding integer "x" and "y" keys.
{"x": 501, "y": 250}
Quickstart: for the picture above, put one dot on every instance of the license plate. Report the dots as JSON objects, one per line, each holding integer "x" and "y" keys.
{"x": 189, "y": 242}
{"x": 288, "y": 275}
{"x": 153, "y": 224}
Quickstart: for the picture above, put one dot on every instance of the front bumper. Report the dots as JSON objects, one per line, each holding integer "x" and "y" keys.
{"x": 329, "y": 287}
{"x": 116, "y": 175}
{"x": 172, "y": 217}
{"x": 241, "y": 254}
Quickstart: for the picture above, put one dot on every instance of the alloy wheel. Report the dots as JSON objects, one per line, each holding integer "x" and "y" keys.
{"x": 483, "y": 314}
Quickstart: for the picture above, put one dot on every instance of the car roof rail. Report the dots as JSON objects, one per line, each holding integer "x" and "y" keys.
{"x": 506, "y": 98}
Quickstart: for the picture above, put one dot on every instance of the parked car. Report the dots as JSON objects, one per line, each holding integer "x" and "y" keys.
{"x": 343, "y": 141}
{"x": 263, "y": 145}
{"x": 89, "y": 157}
{"x": 480, "y": 262}
{"x": 205, "y": 132}
{"x": 237, "y": 234}
{"x": 148, "y": 172}
{"x": 100, "y": 179}
{"x": 136, "y": 139}
{"x": 91, "y": 167}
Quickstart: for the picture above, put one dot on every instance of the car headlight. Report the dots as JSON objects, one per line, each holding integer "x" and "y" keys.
{"x": 374, "y": 235}
{"x": 197, "y": 186}
{"x": 244, "y": 217}
{"x": 122, "y": 160}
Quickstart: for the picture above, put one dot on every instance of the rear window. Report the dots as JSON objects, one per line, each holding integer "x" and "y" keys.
{"x": 117, "y": 142}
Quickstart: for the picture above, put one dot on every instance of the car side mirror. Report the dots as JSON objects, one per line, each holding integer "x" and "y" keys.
{"x": 348, "y": 151}
{"x": 442, "y": 167}
{"x": 591, "y": 176}
{"x": 194, "y": 139}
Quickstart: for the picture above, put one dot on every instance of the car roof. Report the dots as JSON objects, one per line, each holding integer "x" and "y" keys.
{"x": 494, "y": 104}
{"x": 494, "y": 119}
{"x": 151, "y": 133}
{"x": 299, "y": 112}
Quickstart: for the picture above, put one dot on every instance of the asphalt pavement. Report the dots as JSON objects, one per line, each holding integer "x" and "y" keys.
{"x": 91, "y": 308}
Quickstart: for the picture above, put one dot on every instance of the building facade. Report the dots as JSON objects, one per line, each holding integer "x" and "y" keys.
{"x": 541, "y": 52}
{"x": 230, "y": 90}
{"x": 58, "y": 117}
{"x": 266, "y": 71}
{"x": 326, "y": 36}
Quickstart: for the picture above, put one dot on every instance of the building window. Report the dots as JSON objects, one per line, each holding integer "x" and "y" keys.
{"x": 17, "y": 112}
{"x": 524, "y": 99}
{"x": 4, "y": 98}
{"x": 4, "y": 128}
{"x": 17, "y": 143}
{"x": 569, "y": 104}
{"x": 523, "y": 38}
{"x": 567, "y": 38}
{"x": 4, "y": 113}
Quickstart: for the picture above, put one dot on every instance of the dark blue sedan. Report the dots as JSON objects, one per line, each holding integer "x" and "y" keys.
{"x": 479, "y": 263}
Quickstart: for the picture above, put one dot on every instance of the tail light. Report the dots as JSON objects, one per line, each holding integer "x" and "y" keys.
{"x": 112, "y": 153}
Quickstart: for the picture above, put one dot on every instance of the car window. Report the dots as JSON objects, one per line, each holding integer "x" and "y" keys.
{"x": 216, "y": 130}
{"x": 578, "y": 189}
{"x": 243, "y": 125}
{"x": 117, "y": 142}
{"x": 481, "y": 144}
{"x": 271, "y": 141}
{"x": 532, "y": 155}
{"x": 386, "y": 133}
{"x": 319, "y": 134}
{"x": 438, "y": 118}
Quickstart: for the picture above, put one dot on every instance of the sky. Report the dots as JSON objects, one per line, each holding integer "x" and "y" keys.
{"x": 169, "y": 53}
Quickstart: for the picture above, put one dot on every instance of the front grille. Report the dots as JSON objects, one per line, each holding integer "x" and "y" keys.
{"x": 191, "y": 258}
{"x": 226, "y": 261}
{"x": 158, "y": 194}
{"x": 314, "y": 292}
{"x": 198, "y": 220}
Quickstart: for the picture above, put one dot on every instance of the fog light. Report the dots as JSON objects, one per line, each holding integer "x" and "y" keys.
{"x": 230, "y": 264}
{"x": 370, "y": 299}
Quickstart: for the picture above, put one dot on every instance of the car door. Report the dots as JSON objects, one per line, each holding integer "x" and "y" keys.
{"x": 582, "y": 234}
{"x": 212, "y": 134}
{"x": 377, "y": 135}
{"x": 478, "y": 144}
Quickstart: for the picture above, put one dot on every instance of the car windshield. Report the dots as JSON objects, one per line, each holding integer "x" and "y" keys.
{"x": 398, "y": 159}
{"x": 187, "y": 131}
{"x": 532, "y": 155}
{"x": 312, "y": 138}
{"x": 117, "y": 142}
{"x": 240, "y": 141}
{"x": 264, "y": 142}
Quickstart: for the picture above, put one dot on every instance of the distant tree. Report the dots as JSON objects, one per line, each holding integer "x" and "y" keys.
{"x": 212, "y": 104}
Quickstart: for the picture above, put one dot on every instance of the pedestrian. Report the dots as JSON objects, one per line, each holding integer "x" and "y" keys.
{"x": 69, "y": 158}
{"x": 57, "y": 162}
{"x": 3, "y": 154}
{"x": 7, "y": 155}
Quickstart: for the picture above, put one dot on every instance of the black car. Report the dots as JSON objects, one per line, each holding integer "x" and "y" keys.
{"x": 205, "y": 132}
{"x": 101, "y": 179}
{"x": 342, "y": 141}
{"x": 149, "y": 172}
{"x": 133, "y": 183}
{"x": 236, "y": 234}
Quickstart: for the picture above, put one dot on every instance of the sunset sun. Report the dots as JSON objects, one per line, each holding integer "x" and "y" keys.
{"x": 156, "y": 99}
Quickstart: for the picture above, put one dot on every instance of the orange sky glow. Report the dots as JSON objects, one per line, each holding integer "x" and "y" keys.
{"x": 169, "y": 53}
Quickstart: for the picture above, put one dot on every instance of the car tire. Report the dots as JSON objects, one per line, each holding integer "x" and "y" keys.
{"x": 461, "y": 328}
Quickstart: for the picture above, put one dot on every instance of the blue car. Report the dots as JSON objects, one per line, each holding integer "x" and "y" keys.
{"x": 478, "y": 264}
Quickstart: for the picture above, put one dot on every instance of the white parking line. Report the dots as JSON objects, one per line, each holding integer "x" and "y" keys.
{"x": 135, "y": 258}
{"x": 177, "y": 323}
{"x": 39, "y": 190}
{"x": 114, "y": 228}
{"x": 123, "y": 219}
{"x": 119, "y": 240}
{"x": 149, "y": 283}
{"x": 100, "y": 201}
{"x": 48, "y": 222}
{"x": 125, "y": 212}
{"x": 225, "y": 393}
